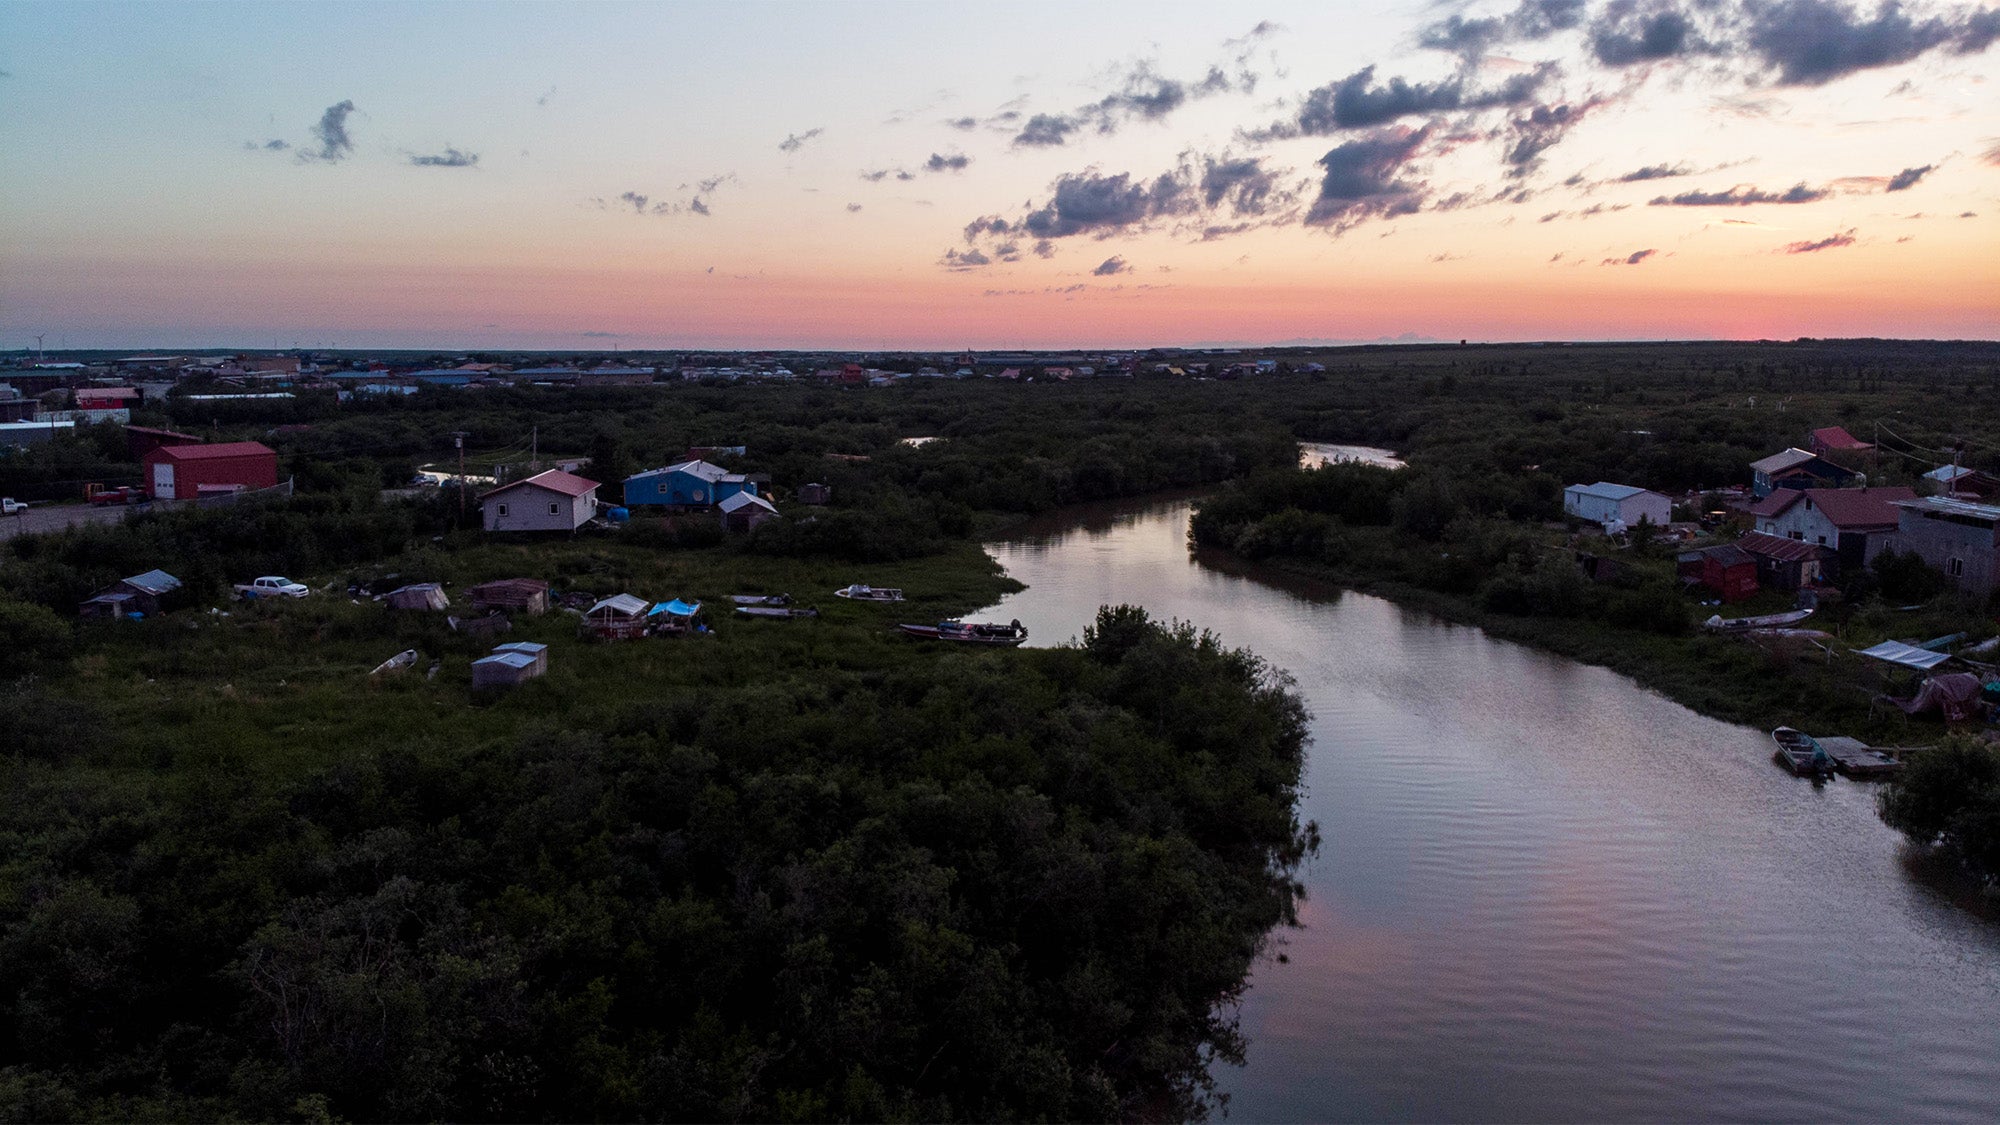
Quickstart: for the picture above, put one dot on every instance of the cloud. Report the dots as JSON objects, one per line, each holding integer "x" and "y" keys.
{"x": 1143, "y": 94}
{"x": 331, "y": 133}
{"x": 1541, "y": 129}
{"x": 546, "y": 95}
{"x": 273, "y": 145}
{"x": 1991, "y": 155}
{"x": 449, "y": 158}
{"x": 600, "y": 335}
{"x": 637, "y": 201}
{"x": 1631, "y": 259}
{"x": 1831, "y": 242}
{"x": 1629, "y": 33}
{"x": 793, "y": 142}
{"x": 1908, "y": 178}
{"x": 853, "y": 207}
{"x": 1361, "y": 179}
{"x": 1655, "y": 172}
{"x": 1358, "y": 102}
{"x": 938, "y": 162}
{"x": 1264, "y": 30}
{"x": 1813, "y": 42}
{"x": 959, "y": 261}
{"x": 1110, "y": 266}
{"x": 965, "y": 124}
{"x": 1533, "y": 20}
{"x": 1207, "y": 196}
{"x": 696, "y": 206}
{"x": 1087, "y": 202}
{"x": 1246, "y": 185}
{"x": 1044, "y": 130}
{"x": 1741, "y": 196}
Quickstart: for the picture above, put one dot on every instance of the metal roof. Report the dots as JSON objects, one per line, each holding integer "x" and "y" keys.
{"x": 746, "y": 500}
{"x": 212, "y": 452}
{"x": 1985, "y": 513}
{"x": 155, "y": 582}
{"x": 555, "y": 480}
{"x": 1609, "y": 491}
{"x": 1778, "y": 462}
{"x": 624, "y": 605}
{"x": 528, "y": 647}
{"x": 1910, "y": 656}
{"x": 515, "y": 660}
{"x": 1780, "y": 548}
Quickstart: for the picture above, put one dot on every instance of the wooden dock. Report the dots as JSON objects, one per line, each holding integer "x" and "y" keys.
{"x": 1857, "y": 759}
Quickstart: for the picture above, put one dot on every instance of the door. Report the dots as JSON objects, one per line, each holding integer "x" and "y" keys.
{"x": 163, "y": 481}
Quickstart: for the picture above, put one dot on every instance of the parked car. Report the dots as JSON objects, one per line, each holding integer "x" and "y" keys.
{"x": 11, "y": 507}
{"x": 273, "y": 586}
{"x": 105, "y": 497}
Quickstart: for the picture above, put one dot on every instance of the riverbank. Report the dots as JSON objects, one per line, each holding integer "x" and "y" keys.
{"x": 1410, "y": 538}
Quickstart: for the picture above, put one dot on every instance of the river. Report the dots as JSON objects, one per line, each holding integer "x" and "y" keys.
{"x": 1545, "y": 892}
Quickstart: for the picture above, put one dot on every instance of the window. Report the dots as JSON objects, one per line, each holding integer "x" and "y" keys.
{"x": 503, "y": 511}
{"x": 1822, "y": 540}
{"x": 1955, "y": 567}
{"x": 555, "y": 509}
{"x": 662, "y": 486}
{"x": 1798, "y": 534}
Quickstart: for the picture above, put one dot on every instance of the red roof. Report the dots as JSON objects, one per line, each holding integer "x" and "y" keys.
{"x": 1837, "y": 437}
{"x": 555, "y": 480}
{"x": 1780, "y": 548}
{"x": 1852, "y": 509}
{"x": 212, "y": 452}
{"x": 1776, "y": 503}
{"x": 162, "y": 433}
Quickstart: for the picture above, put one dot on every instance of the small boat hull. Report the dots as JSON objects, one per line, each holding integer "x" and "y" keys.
{"x": 778, "y": 612}
{"x": 976, "y": 633}
{"x": 1799, "y": 754}
{"x": 861, "y": 593}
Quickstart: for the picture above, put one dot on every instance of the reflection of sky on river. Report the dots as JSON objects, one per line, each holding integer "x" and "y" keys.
{"x": 1546, "y": 893}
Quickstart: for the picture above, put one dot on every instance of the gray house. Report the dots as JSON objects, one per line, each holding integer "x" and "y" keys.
{"x": 1958, "y": 537}
{"x": 548, "y": 501}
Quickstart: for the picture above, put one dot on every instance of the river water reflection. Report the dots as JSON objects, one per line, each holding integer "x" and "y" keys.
{"x": 1546, "y": 893}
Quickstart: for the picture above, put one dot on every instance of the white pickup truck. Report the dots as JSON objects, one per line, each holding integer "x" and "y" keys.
{"x": 274, "y": 586}
{"x": 11, "y": 507}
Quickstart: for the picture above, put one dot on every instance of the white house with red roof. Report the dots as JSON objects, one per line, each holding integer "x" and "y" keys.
{"x": 548, "y": 501}
{"x": 1840, "y": 518}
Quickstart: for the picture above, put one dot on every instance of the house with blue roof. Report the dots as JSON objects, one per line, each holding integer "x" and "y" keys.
{"x": 1616, "y": 506}
{"x": 690, "y": 484}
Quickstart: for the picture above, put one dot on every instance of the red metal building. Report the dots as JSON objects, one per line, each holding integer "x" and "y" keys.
{"x": 188, "y": 472}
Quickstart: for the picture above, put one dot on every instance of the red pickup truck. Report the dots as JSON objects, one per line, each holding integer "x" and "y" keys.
{"x": 108, "y": 496}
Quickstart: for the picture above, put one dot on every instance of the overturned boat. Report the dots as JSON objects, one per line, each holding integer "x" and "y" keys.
{"x": 863, "y": 593}
{"x": 775, "y": 611}
{"x": 970, "y": 632}
{"x": 761, "y": 599}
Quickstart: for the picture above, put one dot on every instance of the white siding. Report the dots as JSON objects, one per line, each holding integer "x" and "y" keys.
{"x": 534, "y": 508}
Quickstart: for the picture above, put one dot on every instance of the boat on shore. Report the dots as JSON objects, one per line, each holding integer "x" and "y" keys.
{"x": 978, "y": 633}
{"x": 761, "y": 599}
{"x": 1718, "y": 624}
{"x": 1799, "y": 753}
{"x": 864, "y": 593}
{"x": 776, "y": 611}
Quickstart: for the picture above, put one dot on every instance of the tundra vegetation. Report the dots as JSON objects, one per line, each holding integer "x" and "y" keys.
{"x": 792, "y": 870}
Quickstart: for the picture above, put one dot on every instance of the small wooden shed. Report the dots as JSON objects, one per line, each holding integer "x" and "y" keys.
{"x": 423, "y": 595}
{"x": 515, "y": 595}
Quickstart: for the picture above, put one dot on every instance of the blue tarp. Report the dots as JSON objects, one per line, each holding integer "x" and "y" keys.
{"x": 677, "y": 607}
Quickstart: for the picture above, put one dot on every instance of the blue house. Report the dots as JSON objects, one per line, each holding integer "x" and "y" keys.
{"x": 690, "y": 484}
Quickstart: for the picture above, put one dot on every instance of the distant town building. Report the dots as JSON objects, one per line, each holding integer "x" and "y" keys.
{"x": 190, "y": 472}
{"x": 1615, "y": 505}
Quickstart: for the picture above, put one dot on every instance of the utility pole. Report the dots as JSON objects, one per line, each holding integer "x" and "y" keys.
{"x": 535, "y": 449}
{"x": 458, "y": 439}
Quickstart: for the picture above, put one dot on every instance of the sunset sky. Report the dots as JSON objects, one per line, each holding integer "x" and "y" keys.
{"x": 862, "y": 175}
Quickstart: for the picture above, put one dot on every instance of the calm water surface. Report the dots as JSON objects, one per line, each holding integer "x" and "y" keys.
{"x": 1546, "y": 893}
